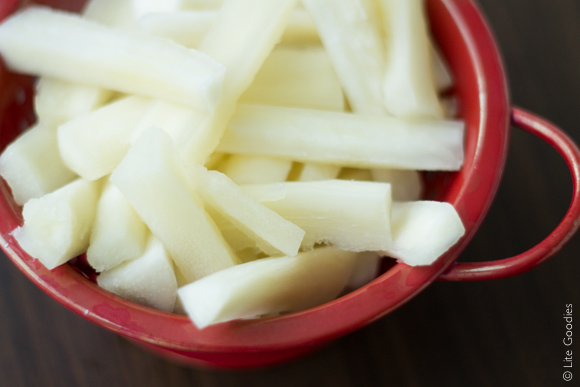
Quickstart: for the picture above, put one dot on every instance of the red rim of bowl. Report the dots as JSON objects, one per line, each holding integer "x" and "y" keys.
{"x": 467, "y": 42}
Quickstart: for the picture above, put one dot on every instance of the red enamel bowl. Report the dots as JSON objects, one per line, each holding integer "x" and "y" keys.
{"x": 481, "y": 90}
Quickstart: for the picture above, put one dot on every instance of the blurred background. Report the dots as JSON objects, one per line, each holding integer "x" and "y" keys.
{"x": 502, "y": 332}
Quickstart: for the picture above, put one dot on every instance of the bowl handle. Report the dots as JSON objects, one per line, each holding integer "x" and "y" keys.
{"x": 544, "y": 250}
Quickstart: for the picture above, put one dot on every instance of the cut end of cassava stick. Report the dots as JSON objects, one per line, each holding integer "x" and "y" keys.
{"x": 423, "y": 231}
{"x": 65, "y": 46}
{"x": 57, "y": 226}
{"x": 345, "y": 139}
{"x": 32, "y": 165}
{"x": 147, "y": 280}
{"x": 152, "y": 179}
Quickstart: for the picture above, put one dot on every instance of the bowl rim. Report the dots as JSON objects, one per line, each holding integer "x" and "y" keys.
{"x": 351, "y": 311}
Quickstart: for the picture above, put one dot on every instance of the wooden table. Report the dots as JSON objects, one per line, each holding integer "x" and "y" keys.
{"x": 503, "y": 332}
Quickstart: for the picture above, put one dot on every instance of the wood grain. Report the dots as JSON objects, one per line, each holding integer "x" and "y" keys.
{"x": 504, "y": 332}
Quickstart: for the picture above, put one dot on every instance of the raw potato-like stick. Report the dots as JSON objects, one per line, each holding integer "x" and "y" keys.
{"x": 153, "y": 181}
{"x": 366, "y": 269}
{"x": 408, "y": 84}
{"x": 423, "y": 231}
{"x": 244, "y": 169}
{"x": 232, "y": 234}
{"x": 178, "y": 121}
{"x": 57, "y": 226}
{"x": 345, "y": 139}
{"x": 112, "y": 13}
{"x": 407, "y": 184}
{"x": 56, "y": 44}
{"x": 186, "y": 27}
{"x": 57, "y": 102}
{"x": 93, "y": 144}
{"x": 147, "y": 280}
{"x": 268, "y": 285}
{"x": 351, "y": 215}
{"x": 32, "y": 166}
{"x": 297, "y": 76}
{"x": 301, "y": 30}
{"x": 272, "y": 233}
{"x": 143, "y": 7}
{"x": 242, "y": 44}
{"x": 242, "y": 37}
{"x": 201, "y": 4}
{"x": 352, "y": 37}
{"x": 190, "y": 27}
{"x": 118, "y": 234}
{"x": 316, "y": 171}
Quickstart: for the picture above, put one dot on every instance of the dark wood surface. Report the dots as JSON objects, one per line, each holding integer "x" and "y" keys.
{"x": 505, "y": 332}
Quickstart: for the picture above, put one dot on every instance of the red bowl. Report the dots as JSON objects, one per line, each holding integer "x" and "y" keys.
{"x": 481, "y": 90}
